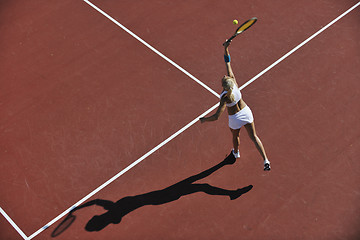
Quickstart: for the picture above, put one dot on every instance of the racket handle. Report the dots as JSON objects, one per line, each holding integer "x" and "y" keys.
{"x": 232, "y": 37}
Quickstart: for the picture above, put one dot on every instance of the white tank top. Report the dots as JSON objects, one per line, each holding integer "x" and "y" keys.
{"x": 237, "y": 96}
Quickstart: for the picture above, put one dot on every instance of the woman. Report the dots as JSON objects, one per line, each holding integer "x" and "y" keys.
{"x": 239, "y": 113}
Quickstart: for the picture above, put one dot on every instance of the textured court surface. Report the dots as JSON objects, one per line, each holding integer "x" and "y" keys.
{"x": 81, "y": 100}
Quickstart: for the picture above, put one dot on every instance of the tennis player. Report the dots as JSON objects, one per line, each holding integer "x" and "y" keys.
{"x": 239, "y": 113}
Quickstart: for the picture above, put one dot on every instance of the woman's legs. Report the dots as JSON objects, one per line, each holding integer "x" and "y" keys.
{"x": 253, "y": 136}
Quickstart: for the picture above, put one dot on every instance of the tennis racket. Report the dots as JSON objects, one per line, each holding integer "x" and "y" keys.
{"x": 246, "y": 25}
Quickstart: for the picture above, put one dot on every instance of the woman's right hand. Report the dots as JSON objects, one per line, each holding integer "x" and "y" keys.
{"x": 226, "y": 44}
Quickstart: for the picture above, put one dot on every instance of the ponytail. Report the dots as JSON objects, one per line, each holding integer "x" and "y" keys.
{"x": 230, "y": 95}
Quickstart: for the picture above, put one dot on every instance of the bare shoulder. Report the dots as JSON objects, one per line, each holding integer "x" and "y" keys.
{"x": 224, "y": 99}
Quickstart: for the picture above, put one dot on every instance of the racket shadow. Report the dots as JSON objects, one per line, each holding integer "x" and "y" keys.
{"x": 63, "y": 225}
{"x": 117, "y": 210}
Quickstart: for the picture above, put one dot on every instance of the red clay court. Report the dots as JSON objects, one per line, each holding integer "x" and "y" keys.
{"x": 100, "y": 103}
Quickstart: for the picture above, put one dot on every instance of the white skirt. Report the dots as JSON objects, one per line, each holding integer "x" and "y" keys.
{"x": 239, "y": 119}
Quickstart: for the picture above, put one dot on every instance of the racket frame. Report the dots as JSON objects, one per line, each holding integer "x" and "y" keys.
{"x": 237, "y": 33}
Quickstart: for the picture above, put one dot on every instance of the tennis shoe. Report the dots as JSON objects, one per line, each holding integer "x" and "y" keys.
{"x": 236, "y": 155}
{"x": 267, "y": 165}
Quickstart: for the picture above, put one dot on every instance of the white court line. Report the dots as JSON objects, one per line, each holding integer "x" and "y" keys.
{"x": 184, "y": 128}
{"x": 299, "y": 46}
{"x": 13, "y": 224}
{"x": 124, "y": 171}
{"x": 152, "y": 48}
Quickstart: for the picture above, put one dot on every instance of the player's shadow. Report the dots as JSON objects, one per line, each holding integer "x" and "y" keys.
{"x": 117, "y": 210}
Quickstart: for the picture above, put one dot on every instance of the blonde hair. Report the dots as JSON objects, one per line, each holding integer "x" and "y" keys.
{"x": 228, "y": 83}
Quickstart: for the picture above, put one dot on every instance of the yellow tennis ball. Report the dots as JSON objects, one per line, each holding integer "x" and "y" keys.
{"x": 235, "y": 22}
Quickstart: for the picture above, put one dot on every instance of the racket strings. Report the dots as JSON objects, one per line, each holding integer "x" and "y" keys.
{"x": 246, "y": 25}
